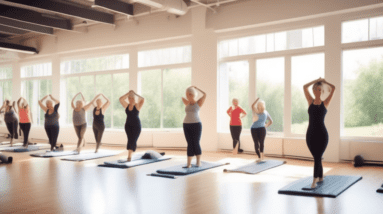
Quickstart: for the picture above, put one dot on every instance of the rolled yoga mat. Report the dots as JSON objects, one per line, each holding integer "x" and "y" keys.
{"x": 50, "y": 154}
{"x": 30, "y": 148}
{"x": 254, "y": 168}
{"x": 181, "y": 170}
{"x": 5, "y": 159}
{"x": 332, "y": 186}
{"x": 90, "y": 155}
{"x": 134, "y": 162}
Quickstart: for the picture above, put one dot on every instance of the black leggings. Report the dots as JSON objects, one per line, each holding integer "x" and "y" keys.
{"x": 98, "y": 130}
{"x": 193, "y": 133}
{"x": 235, "y": 134}
{"x": 12, "y": 128}
{"x": 80, "y": 132}
{"x": 25, "y": 127}
{"x": 259, "y": 135}
{"x": 317, "y": 145}
{"x": 53, "y": 133}
{"x": 132, "y": 132}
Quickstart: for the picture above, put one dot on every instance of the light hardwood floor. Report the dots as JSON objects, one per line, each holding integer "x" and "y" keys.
{"x": 39, "y": 185}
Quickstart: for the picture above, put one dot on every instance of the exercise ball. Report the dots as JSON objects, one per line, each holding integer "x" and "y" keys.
{"x": 358, "y": 161}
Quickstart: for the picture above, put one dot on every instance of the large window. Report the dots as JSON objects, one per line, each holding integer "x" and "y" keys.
{"x": 5, "y": 83}
{"x": 303, "y": 70}
{"x": 162, "y": 90}
{"x": 167, "y": 56}
{"x": 362, "y": 30}
{"x": 363, "y": 92}
{"x": 286, "y": 40}
{"x": 80, "y": 77}
{"x": 115, "y": 62}
{"x": 233, "y": 83}
{"x": 36, "y": 84}
{"x": 270, "y": 82}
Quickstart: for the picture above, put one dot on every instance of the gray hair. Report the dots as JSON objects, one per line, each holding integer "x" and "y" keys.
{"x": 192, "y": 90}
{"x": 261, "y": 103}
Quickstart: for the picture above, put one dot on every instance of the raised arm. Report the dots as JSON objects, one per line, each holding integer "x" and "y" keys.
{"x": 42, "y": 106}
{"x": 329, "y": 98}
{"x": 253, "y": 106}
{"x": 308, "y": 96}
{"x": 87, "y": 106}
{"x": 18, "y": 103}
{"x": 202, "y": 99}
{"x": 185, "y": 101}
{"x": 106, "y": 105}
{"x": 72, "y": 103}
{"x": 123, "y": 98}
{"x": 55, "y": 100}
{"x": 14, "y": 106}
{"x": 140, "y": 102}
{"x": 1, "y": 109}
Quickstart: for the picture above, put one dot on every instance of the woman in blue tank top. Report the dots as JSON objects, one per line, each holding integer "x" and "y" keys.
{"x": 192, "y": 124}
{"x": 258, "y": 129}
{"x": 133, "y": 123}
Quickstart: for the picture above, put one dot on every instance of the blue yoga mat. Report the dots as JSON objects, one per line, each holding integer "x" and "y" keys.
{"x": 181, "y": 170}
{"x": 254, "y": 168}
{"x": 30, "y": 148}
{"x": 90, "y": 155}
{"x": 134, "y": 162}
{"x": 50, "y": 154}
{"x": 332, "y": 186}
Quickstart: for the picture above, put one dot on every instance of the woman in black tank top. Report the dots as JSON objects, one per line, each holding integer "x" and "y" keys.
{"x": 133, "y": 123}
{"x": 98, "y": 119}
{"x": 317, "y": 135}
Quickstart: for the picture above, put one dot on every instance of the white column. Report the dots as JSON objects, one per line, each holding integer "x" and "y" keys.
{"x": 287, "y": 102}
{"x": 133, "y": 67}
{"x": 16, "y": 81}
{"x": 204, "y": 75}
{"x": 56, "y": 77}
{"x": 333, "y": 74}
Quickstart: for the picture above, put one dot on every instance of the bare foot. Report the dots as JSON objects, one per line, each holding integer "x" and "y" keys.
{"x": 313, "y": 185}
{"x": 188, "y": 166}
{"x": 321, "y": 179}
{"x": 129, "y": 159}
{"x": 96, "y": 151}
{"x": 258, "y": 160}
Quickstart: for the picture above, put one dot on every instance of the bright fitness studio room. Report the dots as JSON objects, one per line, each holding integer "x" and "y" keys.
{"x": 191, "y": 106}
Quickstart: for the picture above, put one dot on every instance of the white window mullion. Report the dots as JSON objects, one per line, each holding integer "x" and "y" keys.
{"x": 162, "y": 99}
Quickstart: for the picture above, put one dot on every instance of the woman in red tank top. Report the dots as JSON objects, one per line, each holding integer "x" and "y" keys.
{"x": 235, "y": 113}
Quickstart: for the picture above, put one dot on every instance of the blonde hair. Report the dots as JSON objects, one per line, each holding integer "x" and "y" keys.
{"x": 263, "y": 104}
{"x": 235, "y": 99}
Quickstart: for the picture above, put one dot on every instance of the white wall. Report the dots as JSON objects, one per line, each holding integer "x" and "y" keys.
{"x": 203, "y": 29}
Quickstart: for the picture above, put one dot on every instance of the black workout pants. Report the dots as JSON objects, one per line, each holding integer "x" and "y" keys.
{"x": 259, "y": 135}
{"x": 12, "y": 128}
{"x": 193, "y": 133}
{"x": 53, "y": 133}
{"x": 132, "y": 132}
{"x": 98, "y": 130}
{"x": 25, "y": 127}
{"x": 235, "y": 134}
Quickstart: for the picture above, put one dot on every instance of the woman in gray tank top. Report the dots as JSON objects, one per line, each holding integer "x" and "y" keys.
{"x": 79, "y": 118}
{"x": 192, "y": 124}
{"x": 10, "y": 119}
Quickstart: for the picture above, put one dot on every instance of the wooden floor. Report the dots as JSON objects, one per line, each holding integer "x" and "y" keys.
{"x": 39, "y": 185}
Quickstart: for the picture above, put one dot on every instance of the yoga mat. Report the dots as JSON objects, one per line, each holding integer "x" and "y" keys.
{"x": 254, "y": 168}
{"x": 181, "y": 170}
{"x": 90, "y": 155}
{"x": 50, "y": 154}
{"x": 332, "y": 186}
{"x": 30, "y": 148}
{"x": 134, "y": 162}
{"x": 7, "y": 143}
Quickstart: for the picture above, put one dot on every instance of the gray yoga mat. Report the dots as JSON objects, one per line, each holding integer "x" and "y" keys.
{"x": 90, "y": 155}
{"x": 50, "y": 154}
{"x": 30, "y": 148}
{"x": 134, "y": 162}
{"x": 180, "y": 170}
{"x": 332, "y": 186}
{"x": 7, "y": 143}
{"x": 254, "y": 168}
